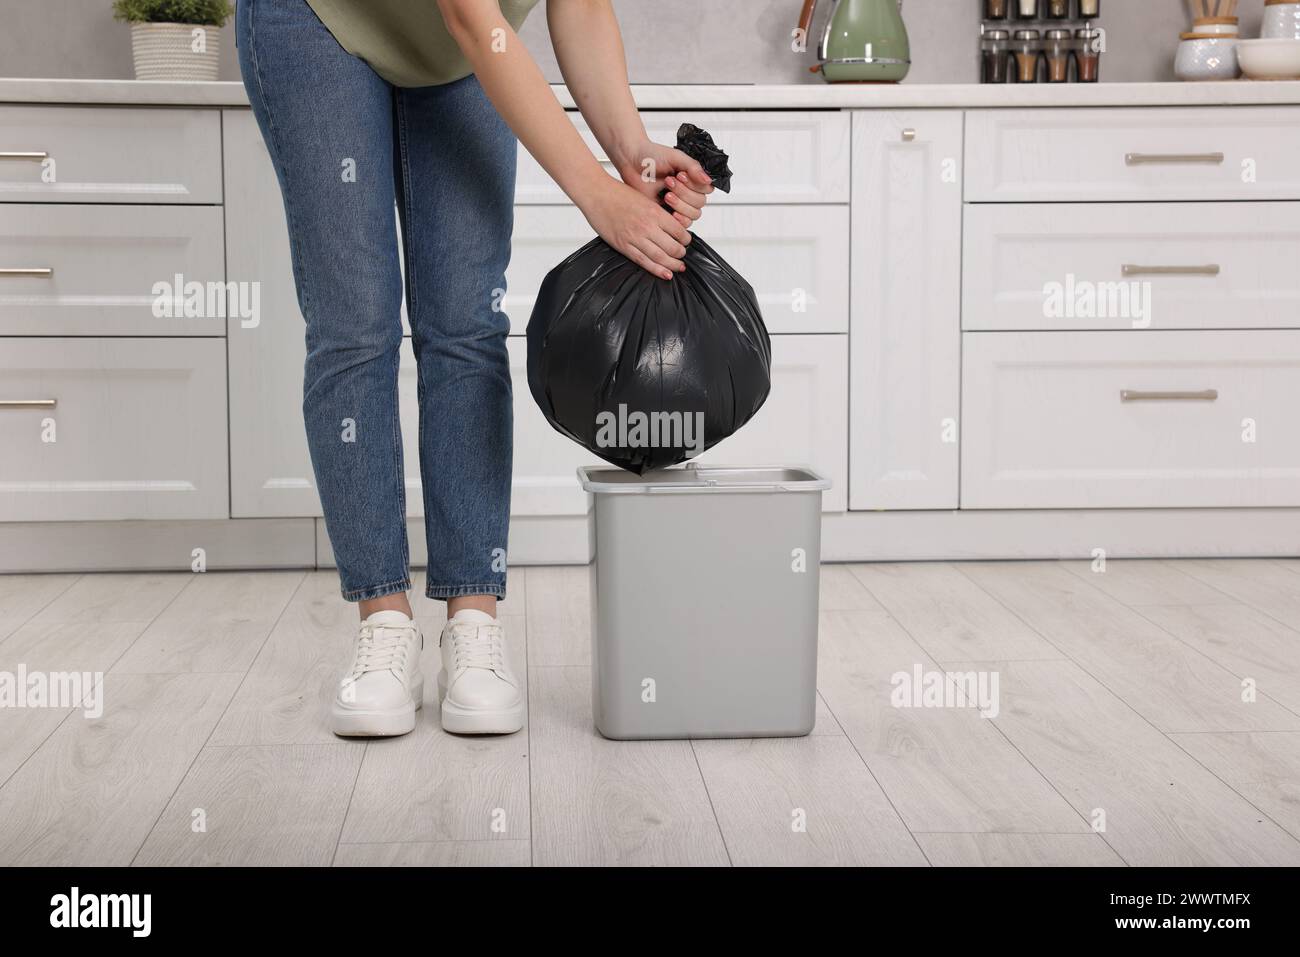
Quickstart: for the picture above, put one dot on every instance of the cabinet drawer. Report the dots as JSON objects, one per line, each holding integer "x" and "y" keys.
{"x": 1239, "y": 152}
{"x": 805, "y": 419}
{"x": 776, "y": 157}
{"x": 795, "y": 257}
{"x": 93, "y": 270}
{"x": 1132, "y": 265}
{"x": 1209, "y": 419}
{"x": 137, "y": 429}
{"x": 72, "y": 154}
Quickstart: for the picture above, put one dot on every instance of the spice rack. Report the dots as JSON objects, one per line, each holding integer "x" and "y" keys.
{"x": 1040, "y": 41}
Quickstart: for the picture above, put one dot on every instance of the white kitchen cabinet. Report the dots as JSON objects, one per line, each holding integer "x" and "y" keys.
{"x": 1100, "y": 155}
{"x": 1052, "y": 266}
{"x": 545, "y": 462}
{"x": 1131, "y": 419}
{"x": 905, "y": 340}
{"x": 804, "y": 420}
{"x": 795, "y": 257}
{"x": 96, "y": 154}
{"x": 776, "y": 156}
{"x": 119, "y": 428}
{"x": 270, "y": 467}
{"x": 92, "y": 270}
{"x": 802, "y": 423}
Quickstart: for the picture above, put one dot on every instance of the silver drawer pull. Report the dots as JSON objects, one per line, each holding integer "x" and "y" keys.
{"x": 1212, "y": 269}
{"x": 23, "y": 155}
{"x": 909, "y": 135}
{"x": 1154, "y": 159}
{"x": 1135, "y": 395}
{"x": 27, "y": 271}
{"x": 28, "y": 403}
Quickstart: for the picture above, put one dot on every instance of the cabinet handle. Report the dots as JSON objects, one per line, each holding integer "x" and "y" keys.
{"x": 1136, "y": 395}
{"x": 28, "y": 403}
{"x": 23, "y": 155}
{"x": 1150, "y": 159}
{"x": 1212, "y": 269}
{"x": 909, "y": 135}
{"x": 27, "y": 271}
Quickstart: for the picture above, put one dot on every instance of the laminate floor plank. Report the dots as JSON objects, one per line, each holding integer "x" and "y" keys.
{"x": 1161, "y": 807}
{"x": 257, "y": 806}
{"x": 1172, "y": 685}
{"x": 217, "y": 624}
{"x": 599, "y": 802}
{"x": 943, "y": 768}
{"x": 92, "y": 791}
{"x": 949, "y": 616}
{"x": 802, "y": 802}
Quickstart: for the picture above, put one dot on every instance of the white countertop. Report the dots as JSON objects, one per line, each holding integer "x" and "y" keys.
{"x": 704, "y": 96}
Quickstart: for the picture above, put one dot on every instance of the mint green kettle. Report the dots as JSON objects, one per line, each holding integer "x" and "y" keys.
{"x": 865, "y": 41}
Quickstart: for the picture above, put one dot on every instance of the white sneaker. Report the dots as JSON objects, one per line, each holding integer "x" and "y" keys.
{"x": 480, "y": 693}
{"x": 382, "y": 690}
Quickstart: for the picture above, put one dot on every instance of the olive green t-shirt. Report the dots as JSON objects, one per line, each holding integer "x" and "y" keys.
{"x": 404, "y": 41}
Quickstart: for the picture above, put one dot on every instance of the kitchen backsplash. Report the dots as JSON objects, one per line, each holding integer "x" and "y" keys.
{"x": 732, "y": 41}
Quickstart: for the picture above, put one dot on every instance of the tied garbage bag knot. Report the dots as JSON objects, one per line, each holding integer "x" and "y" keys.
{"x": 643, "y": 372}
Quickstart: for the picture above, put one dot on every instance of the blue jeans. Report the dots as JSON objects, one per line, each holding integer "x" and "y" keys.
{"x": 346, "y": 146}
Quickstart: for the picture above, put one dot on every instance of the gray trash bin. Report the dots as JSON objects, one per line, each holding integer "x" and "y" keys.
{"x": 704, "y": 601}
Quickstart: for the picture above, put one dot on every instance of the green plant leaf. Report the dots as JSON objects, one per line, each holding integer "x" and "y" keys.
{"x": 212, "y": 13}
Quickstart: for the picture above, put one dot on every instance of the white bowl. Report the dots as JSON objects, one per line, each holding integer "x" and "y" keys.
{"x": 1210, "y": 58}
{"x": 1281, "y": 22}
{"x": 1270, "y": 59}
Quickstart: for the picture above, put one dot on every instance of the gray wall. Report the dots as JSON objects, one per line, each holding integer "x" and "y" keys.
{"x": 735, "y": 41}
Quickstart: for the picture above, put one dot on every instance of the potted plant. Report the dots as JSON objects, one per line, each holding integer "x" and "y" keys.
{"x": 174, "y": 39}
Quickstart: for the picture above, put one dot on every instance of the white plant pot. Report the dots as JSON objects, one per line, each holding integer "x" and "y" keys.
{"x": 175, "y": 51}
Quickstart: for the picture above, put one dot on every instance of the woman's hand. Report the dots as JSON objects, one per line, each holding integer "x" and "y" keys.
{"x": 651, "y": 168}
{"x": 637, "y": 226}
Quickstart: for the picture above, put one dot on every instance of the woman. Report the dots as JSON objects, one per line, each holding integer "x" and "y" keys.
{"x": 367, "y": 103}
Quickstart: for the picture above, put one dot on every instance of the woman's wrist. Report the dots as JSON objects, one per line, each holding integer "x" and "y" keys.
{"x": 628, "y": 152}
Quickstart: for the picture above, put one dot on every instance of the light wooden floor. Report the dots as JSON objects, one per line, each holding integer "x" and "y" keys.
{"x": 1121, "y": 695}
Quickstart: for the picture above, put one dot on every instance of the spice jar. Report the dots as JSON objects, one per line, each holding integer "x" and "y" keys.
{"x": 1027, "y": 47}
{"x": 1058, "y": 9}
{"x": 1058, "y": 47}
{"x": 1027, "y": 9}
{"x": 996, "y": 9}
{"x": 996, "y": 56}
{"x": 1087, "y": 54}
{"x": 1089, "y": 9}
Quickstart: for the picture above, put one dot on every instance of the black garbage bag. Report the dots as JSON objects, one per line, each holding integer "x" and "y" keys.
{"x": 647, "y": 372}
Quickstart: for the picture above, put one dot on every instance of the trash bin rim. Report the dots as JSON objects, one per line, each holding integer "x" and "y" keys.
{"x": 705, "y": 479}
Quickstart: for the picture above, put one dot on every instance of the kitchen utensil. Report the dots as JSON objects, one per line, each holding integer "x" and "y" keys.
{"x": 865, "y": 41}
{"x": 1216, "y": 26}
{"x": 1270, "y": 59}
{"x": 1281, "y": 20}
{"x": 1206, "y": 57}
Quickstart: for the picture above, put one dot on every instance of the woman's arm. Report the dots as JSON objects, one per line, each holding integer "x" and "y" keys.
{"x": 589, "y": 48}
{"x": 629, "y": 220}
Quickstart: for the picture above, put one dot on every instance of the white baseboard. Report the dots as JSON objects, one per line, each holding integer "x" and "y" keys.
{"x": 156, "y": 546}
{"x": 1014, "y": 534}
{"x": 567, "y": 540}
